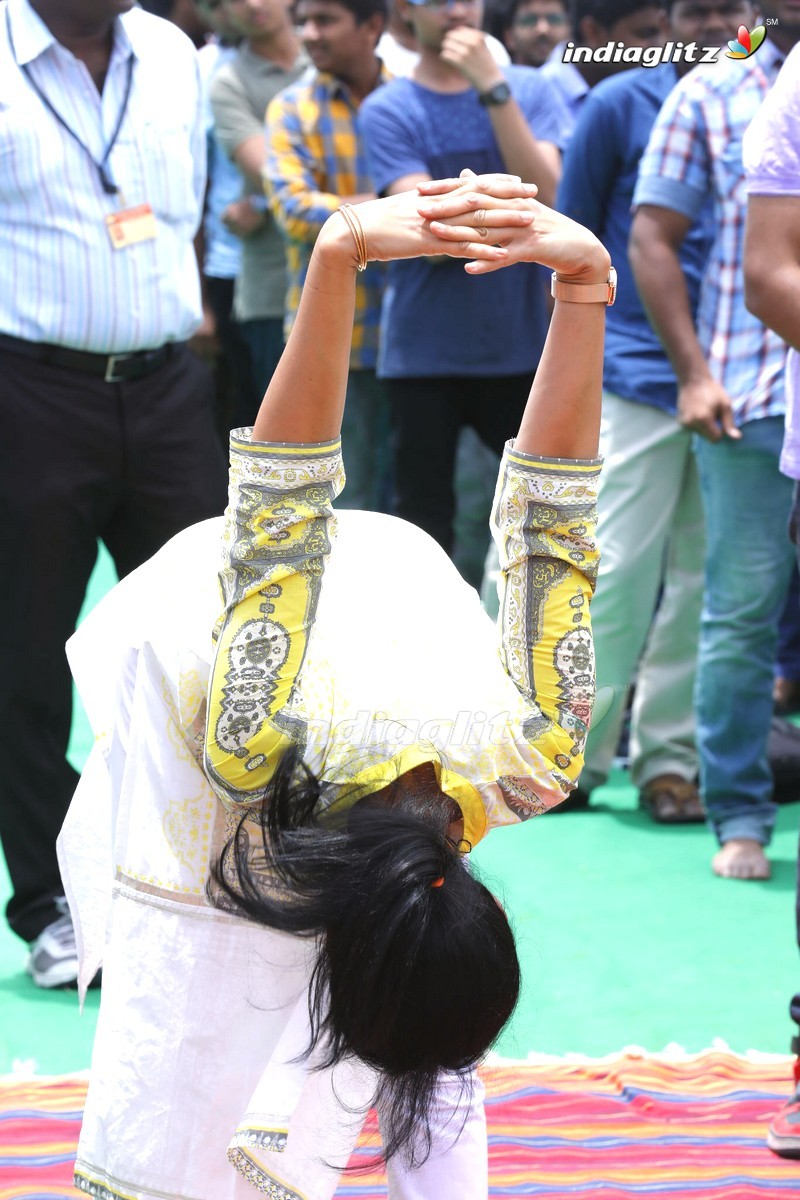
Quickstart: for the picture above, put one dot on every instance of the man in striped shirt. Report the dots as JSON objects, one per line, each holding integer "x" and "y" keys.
{"x": 107, "y": 428}
{"x": 730, "y": 375}
{"x": 316, "y": 162}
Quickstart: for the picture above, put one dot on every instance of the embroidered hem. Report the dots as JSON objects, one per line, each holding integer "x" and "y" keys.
{"x": 253, "y": 1173}
{"x": 86, "y": 1180}
{"x": 272, "y": 1141}
{"x": 93, "y": 1187}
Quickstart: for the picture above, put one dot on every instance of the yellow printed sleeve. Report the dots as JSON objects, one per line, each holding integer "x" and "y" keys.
{"x": 278, "y": 531}
{"x": 544, "y": 523}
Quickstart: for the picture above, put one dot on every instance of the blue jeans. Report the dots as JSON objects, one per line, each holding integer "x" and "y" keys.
{"x": 788, "y": 664}
{"x": 748, "y": 562}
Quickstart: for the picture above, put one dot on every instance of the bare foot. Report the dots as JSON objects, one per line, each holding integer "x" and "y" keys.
{"x": 741, "y": 858}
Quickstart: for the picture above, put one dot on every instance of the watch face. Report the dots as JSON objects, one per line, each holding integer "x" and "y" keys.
{"x": 499, "y": 94}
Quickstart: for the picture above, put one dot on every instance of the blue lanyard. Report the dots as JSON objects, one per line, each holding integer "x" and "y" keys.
{"x": 108, "y": 185}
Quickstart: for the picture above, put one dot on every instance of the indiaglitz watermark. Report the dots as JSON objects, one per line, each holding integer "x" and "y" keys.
{"x": 466, "y": 730}
{"x": 641, "y": 56}
{"x": 748, "y": 41}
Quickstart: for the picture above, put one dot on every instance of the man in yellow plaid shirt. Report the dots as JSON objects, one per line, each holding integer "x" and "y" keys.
{"x": 315, "y": 163}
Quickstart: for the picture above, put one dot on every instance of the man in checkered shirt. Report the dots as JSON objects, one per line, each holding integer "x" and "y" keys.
{"x": 315, "y": 163}
{"x": 730, "y": 374}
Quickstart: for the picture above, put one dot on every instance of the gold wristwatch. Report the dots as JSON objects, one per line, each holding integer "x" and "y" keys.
{"x": 585, "y": 293}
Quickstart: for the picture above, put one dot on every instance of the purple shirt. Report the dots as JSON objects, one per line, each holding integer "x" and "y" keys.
{"x": 772, "y": 161}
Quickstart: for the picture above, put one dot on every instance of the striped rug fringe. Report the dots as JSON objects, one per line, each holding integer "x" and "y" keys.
{"x": 675, "y": 1126}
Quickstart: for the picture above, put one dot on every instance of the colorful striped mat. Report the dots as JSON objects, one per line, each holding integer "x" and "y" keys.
{"x": 631, "y": 1126}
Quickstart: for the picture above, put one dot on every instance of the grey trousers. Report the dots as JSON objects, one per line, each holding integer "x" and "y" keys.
{"x": 651, "y": 537}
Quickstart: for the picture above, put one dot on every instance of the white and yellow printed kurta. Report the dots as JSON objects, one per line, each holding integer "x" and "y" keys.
{"x": 352, "y": 635}
{"x": 374, "y": 657}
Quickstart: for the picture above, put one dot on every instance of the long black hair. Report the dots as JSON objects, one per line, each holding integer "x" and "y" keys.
{"x": 414, "y": 976}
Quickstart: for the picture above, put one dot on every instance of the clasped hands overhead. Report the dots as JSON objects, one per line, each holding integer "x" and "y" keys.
{"x": 493, "y": 221}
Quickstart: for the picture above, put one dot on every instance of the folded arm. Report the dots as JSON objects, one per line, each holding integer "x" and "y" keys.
{"x": 522, "y": 152}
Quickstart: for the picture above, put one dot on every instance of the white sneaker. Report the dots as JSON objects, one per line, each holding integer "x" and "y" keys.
{"x": 53, "y": 960}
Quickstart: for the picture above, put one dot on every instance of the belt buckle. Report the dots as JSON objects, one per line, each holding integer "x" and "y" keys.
{"x": 111, "y": 366}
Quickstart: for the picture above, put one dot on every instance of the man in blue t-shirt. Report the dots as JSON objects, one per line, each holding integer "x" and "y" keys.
{"x": 456, "y": 350}
{"x": 649, "y": 507}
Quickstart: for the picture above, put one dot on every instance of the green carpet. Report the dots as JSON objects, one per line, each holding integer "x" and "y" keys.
{"x": 625, "y": 936}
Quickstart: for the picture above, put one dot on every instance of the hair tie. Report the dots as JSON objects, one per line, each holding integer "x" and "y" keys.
{"x": 438, "y": 882}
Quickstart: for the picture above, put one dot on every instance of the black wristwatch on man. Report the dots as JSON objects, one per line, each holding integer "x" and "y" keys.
{"x": 495, "y": 96}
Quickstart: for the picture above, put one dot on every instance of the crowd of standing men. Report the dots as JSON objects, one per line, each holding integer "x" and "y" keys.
{"x": 121, "y": 139}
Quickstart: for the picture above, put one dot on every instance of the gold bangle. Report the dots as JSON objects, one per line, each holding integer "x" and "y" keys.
{"x": 354, "y": 224}
{"x": 356, "y": 228}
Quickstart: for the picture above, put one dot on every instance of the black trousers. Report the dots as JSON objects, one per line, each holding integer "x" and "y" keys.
{"x": 427, "y": 415}
{"x": 233, "y": 372}
{"x": 80, "y": 459}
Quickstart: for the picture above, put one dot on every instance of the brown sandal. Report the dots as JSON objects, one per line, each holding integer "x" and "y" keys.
{"x": 671, "y": 800}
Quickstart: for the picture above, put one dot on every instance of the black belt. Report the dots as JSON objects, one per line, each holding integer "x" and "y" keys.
{"x": 113, "y": 368}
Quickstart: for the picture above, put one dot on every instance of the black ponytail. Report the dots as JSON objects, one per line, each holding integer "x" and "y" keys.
{"x": 412, "y": 976}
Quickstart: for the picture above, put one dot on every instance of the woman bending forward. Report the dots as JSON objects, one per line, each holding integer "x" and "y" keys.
{"x": 321, "y": 764}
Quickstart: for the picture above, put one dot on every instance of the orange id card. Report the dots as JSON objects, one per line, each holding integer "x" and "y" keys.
{"x": 131, "y": 225}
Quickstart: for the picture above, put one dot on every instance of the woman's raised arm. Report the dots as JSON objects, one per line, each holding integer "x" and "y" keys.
{"x": 491, "y": 220}
{"x": 544, "y": 513}
{"x": 562, "y": 417}
{"x": 305, "y": 399}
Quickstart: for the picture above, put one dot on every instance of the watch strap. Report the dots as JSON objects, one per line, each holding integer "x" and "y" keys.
{"x": 499, "y": 94}
{"x": 585, "y": 293}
